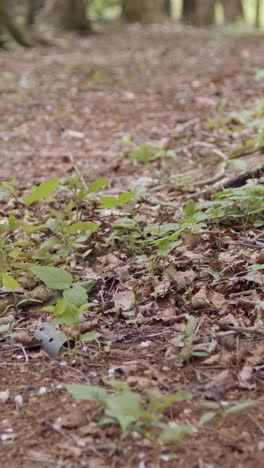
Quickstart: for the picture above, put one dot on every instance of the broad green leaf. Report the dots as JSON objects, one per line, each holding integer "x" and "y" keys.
{"x": 83, "y": 226}
{"x": 31, "y": 228}
{"x": 239, "y": 407}
{"x": 42, "y": 191}
{"x": 176, "y": 433}
{"x": 9, "y": 282}
{"x": 53, "y": 224}
{"x": 118, "y": 385}
{"x": 126, "y": 197}
{"x": 13, "y": 222}
{"x": 98, "y": 184}
{"x": 90, "y": 336}
{"x": 87, "y": 392}
{"x": 76, "y": 295}
{"x": 211, "y": 405}
{"x": 53, "y": 277}
{"x": 65, "y": 312}
{"x": 126, "y": 402}
{"x": 3, "y": 193}
{"x": 3, "y": 261}
{"x": 123, "y": 420}
{"x": 181, "y": 395}
{"x": 207, "y": 417}
{"x": 108, "y": 202}
{"x": 124, "y": 407}
{"x": 190, "y": 208}
{"x": 14, "y": 253}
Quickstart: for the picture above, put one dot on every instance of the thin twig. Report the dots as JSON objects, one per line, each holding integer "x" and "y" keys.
{"x": 77, "y": 170}
{"x": 250, "y": 330}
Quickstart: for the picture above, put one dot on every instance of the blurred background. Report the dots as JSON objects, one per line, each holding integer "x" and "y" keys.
{"x": 22, "y": 21}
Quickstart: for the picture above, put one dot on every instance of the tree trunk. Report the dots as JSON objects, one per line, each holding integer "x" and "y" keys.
{"x": 166, "y": 7}
{"x": 71, "y": 15}
{"x": 205, "y": 12}
{"x": 233, "y": 10}
{"x": 141, "y": 11}
{"x": 33, "y": 7}
{"x": 189, "y": 11}
{"x": 7, "y": 23}
{"x": 258, "y": 14}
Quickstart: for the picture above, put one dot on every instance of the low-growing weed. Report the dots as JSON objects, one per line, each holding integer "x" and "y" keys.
{"x": 222, "y": 409}
{"x": 134, "y": 412}
{"x": 185, "y": 341}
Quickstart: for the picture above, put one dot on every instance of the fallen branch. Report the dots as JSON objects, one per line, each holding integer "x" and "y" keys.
{"x": 234, "y": 182}
{"x": 249, "y": 330}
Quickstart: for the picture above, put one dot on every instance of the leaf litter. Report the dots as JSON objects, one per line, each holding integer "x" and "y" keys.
{"x": 166, "y": 124}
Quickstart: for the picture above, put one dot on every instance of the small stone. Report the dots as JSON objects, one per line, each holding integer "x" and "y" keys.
{"x": 18, "y": 401}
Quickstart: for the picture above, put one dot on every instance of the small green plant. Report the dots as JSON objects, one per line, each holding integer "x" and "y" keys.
{"x": 217, "y": 275}
{"x": 70, "y": 307}
{"x": 134, "y": 412}
{"x": 67, "y": 313}
{"x": 222, "y": 409}
{"x": 255, "y": 267}
{"x": 146, "y": 154}
{"x": 185, "y": 341}
{"x": 240, "y": 205}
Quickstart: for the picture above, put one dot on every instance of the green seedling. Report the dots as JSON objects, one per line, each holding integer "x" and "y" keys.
{"x": 222, "y": 410}
{"x": 134, "y": 412}
{"x": 185, "y": 341}
{"x": 146, "y": 154}
{"x": 217, "y": 275}
{"x": 67, "y": 313}
{"x": 255, "y": 267}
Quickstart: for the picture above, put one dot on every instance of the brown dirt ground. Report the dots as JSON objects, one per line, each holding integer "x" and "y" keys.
{"x": 83, "y": 98}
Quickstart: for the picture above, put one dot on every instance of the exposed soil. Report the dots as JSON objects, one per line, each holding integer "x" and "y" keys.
{"x": 77, "y": 102}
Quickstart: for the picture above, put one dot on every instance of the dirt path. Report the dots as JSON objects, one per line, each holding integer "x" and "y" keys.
{"x": 155, "y": 85}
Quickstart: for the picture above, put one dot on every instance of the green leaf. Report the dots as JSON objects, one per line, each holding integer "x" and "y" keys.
{"x": 83, "y": 226}
{"x": 211, "y": 405}
{"x": 181, "y": 395}
{"x": 31, "y": 229}
{"x": 87, "y": 392}
{"x": 54, "y": 278}
{"x": 190, "y": 208}
{"x": 207, "y": 417}
{"x": 3, "y": 261}
{"x": 176, "y": 433}
{"x": 65, "y": 312}
{"x": 108, "y": 202}
{"x": 42, "y": 191}
{"x": 98, "y": 184}
{"x": 9, "y": 282}
{"x": 124, "y": 407}
{"x": 239, "y": 407}
{"x": 3, "y": 193}
{"x": 118, "y": 385}
{"x": 260, "y": 74}
{"x": 126, "y": 197}
{"x": 76, "y": 295}
{"x": 13, "y": 222}
{"x": 90, "y": 336}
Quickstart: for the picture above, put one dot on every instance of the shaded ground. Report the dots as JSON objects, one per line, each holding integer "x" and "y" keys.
{"x": 158, "y": 85}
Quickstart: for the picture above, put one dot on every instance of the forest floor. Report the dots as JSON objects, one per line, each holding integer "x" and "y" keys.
{"x": 89, "y": 106}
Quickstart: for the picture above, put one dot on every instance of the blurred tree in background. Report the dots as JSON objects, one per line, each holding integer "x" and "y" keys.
{"x": 18, "y": 19}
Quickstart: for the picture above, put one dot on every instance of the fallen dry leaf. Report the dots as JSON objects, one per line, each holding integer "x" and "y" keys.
{"x": 74, "y": 418}
{"x": 181, "y": 278}
{"x": 27, "y": 340}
